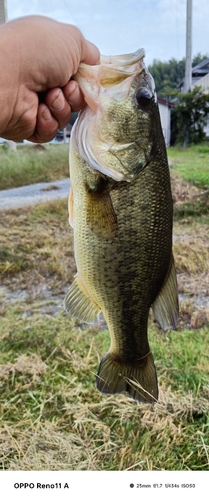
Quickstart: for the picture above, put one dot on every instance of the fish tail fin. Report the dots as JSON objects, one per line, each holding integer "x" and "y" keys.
{"x": 139, "y": 379}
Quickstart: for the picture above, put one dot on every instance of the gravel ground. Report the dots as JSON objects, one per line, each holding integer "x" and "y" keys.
{"x": 36, "y": 193}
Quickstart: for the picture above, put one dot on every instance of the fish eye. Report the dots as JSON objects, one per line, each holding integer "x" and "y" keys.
{"x": 144, "y": 98}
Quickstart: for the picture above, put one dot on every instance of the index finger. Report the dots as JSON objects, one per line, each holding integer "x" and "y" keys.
{"x": 73, "y": 95}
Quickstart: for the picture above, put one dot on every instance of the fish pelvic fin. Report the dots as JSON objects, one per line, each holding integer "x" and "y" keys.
{"x": 78, "y": 303}
{"x": 139, "y": 379}
{"x": 166, "y": 306}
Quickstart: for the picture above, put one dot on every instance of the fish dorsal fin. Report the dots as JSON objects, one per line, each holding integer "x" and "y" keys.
{"x": 78, "y": 303}
{"x": 165, "y": 307}
{"x": 101, "y": 217}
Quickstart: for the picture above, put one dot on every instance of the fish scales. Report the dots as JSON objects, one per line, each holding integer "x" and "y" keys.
{"x": 122, "y": 228}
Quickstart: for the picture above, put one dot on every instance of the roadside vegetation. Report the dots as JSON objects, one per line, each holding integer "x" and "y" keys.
{"x": 32, "y": 164}
{"x": 51, "y": 415}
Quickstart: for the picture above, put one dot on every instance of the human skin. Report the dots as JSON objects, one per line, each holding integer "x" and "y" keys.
{"x": 38, "y": 58}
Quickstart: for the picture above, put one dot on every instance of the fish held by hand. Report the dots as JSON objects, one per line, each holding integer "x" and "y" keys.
{"x": 120, "y": 208}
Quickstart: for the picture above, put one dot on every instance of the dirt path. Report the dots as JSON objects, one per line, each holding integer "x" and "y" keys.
{"x": 36, "y": 193}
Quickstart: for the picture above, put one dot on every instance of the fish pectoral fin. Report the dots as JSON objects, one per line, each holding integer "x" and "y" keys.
{"x": 101, "y": 217}
{"x": 166, "y": 307}
{"x": 139, "y": 379}
{"x": 78, "y": 303}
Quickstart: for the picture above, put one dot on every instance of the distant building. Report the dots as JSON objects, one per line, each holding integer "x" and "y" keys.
{"x": 165, "y": 115}
{"x": 204, "y": 83}
{"x": 200, "y": 76}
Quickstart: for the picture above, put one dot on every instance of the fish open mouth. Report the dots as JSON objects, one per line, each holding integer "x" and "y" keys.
{"x": 113, "y": 70}
{"x": 108, "y": 87}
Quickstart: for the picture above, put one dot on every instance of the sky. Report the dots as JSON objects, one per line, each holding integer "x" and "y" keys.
{"x": 123, "y": 26}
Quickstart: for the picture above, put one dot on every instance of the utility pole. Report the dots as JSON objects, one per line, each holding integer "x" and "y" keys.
{"x": 3, "y": 12}
{"x": 188, "y": 64}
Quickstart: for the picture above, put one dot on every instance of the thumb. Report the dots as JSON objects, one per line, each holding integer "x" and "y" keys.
{"x": 90, "y": 53}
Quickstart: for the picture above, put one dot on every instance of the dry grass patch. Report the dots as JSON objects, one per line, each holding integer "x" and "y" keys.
{"x": 111, "y": 434}
{"x": 191, "y": 256}
{"x": 31, "y": 364}
{"x": 37, "y": 241}
{"x": 191, "y": 251}
{"x": 184, "y": 191}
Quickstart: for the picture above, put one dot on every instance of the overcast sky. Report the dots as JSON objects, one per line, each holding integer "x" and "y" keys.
{"x": 123, "y": 26}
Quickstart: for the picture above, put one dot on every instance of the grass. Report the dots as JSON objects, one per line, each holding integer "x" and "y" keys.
{"x": 32, "y": 164}
{"x": 191, "y": 163}
{"x": 53, "y": 418}
{"x": 51, "y": 415}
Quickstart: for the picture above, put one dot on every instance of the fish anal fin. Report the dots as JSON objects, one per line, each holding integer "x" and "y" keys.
{"x": 78, "y": 303}
{"x": 166, "y": 306}
{"x": 139, "y": 379}
{"x": 101, "y": 217}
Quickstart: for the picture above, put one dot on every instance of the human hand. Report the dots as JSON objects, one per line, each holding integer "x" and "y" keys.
{"x": 39, "y": 57}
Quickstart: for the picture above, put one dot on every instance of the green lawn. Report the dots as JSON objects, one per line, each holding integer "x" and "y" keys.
{"x": 191, "y": 163}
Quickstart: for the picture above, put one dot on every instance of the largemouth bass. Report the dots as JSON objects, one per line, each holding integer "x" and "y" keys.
{"x": 120, "y": 208}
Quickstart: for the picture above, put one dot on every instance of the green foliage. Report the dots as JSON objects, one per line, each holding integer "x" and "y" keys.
{"x": 189, "y": 117}
{"x": 168, "y": 75}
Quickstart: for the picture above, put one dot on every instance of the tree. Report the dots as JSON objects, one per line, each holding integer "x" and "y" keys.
{"x": 189, "y": 117}
{"x": 198, "y": 59}
{"x": 168, "y": 75}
